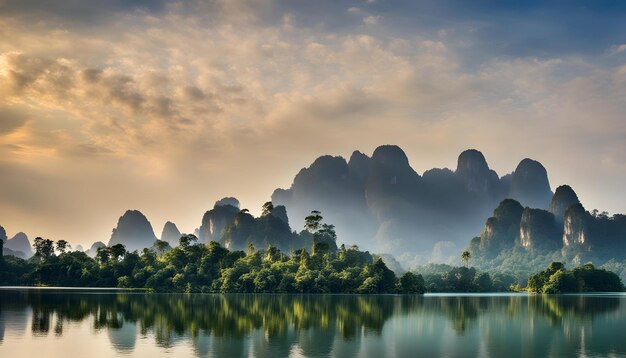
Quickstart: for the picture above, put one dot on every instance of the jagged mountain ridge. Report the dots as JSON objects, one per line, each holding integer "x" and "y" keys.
{"x": 380, "y": 202}
{"x": 377, "y": 202}
{"x": 567, "y": 228}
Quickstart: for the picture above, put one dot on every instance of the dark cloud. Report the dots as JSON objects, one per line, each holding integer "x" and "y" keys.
{"x": 510, "y": 28}
{"x": 10, "y": 120}
{"x": 91, "y": 75}
{"x": 193, "y": 93}
{"x": 76, "y": 11}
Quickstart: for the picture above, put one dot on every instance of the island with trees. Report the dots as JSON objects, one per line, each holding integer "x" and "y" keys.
{"x": 557, "y": 279}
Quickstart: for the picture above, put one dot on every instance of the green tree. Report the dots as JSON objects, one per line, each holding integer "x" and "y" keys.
{"x": 559, "y": 282}
{"x": 187, "y": 240}
{"x": 117, "y": 252}
{"x": 465, "y": 257}
{"x": 44, "y": 248}
{"x": 161, "y": 246}
{"x": 268, "y": 207}
{"x": 62, "y": 246}
{"x": 103, "y": 254}
{"x": 312, "y": 222}
{"x": 378, "y": 278}
{"x": 273, "y": 254}
{"x": 482, "y": 282}
{"x": 328, "y": 236}
{"x": 557, "y": 279}
{"x": 411, "y": 283}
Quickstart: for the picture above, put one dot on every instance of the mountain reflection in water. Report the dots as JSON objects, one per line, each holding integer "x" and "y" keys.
{"x": 137, "y": 324}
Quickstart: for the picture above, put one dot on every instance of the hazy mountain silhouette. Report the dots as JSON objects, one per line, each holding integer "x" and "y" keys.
{"x": 530, "y": 185}
{"x": 170, "y": 234}
{"x": 91, "y": 252}
{"x": 383, "y": 204}
{"x": 18, "y": 245}
{"x": 133, "y": 231}
{"x": 563, "y": 198}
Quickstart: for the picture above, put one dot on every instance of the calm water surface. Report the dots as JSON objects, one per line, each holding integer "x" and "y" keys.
{"x": 56, "y": 323}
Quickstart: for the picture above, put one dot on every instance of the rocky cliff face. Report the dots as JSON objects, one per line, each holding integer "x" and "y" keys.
{"x": 134, "y": 231}
{"x": 577, "y": 227}
{"x": 239, "y": 232}
{"x": 262, "y": 232}
{"x": 501, "y": 230}
{"x": 170, "y": 234}
{"x": 539, "y": 230}
{"x": 215, "y": 220}
{"x": 578, "y": 235}
{"x": 514, "y": 226}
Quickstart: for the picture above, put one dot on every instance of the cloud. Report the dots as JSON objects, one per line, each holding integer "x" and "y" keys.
{"x": 617, "y": 49}
{"x": 157, "y": 104}
{"x": 76, "y": 11}
{"x": 10, "y": 120}
{"x": 372, "y": 20}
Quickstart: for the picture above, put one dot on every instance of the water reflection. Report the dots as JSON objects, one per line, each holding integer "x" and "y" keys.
{"x": 322, "y": 326}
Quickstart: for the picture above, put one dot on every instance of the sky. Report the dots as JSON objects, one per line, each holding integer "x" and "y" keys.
{"x": 166, "y": 106}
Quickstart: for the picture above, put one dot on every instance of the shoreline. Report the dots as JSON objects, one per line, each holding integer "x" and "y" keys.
{"x": 428, "y": 294}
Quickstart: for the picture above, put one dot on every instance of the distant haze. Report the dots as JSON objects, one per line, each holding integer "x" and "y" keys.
{"x": 166, "y": 107}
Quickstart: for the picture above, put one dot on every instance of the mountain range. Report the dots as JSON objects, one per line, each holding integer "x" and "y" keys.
{"x": 382, "y": 204}
{"x": 379, "y": 203}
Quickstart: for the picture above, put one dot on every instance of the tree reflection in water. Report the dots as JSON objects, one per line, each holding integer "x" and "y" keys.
{"x": 317, "y": 325}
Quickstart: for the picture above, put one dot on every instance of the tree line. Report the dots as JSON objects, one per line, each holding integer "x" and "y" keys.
{"x": 212, "y": 268}
{"x": 326, "y": 268}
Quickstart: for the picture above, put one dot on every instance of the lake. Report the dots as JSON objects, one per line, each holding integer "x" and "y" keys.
{"x": 81, "y": 323}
